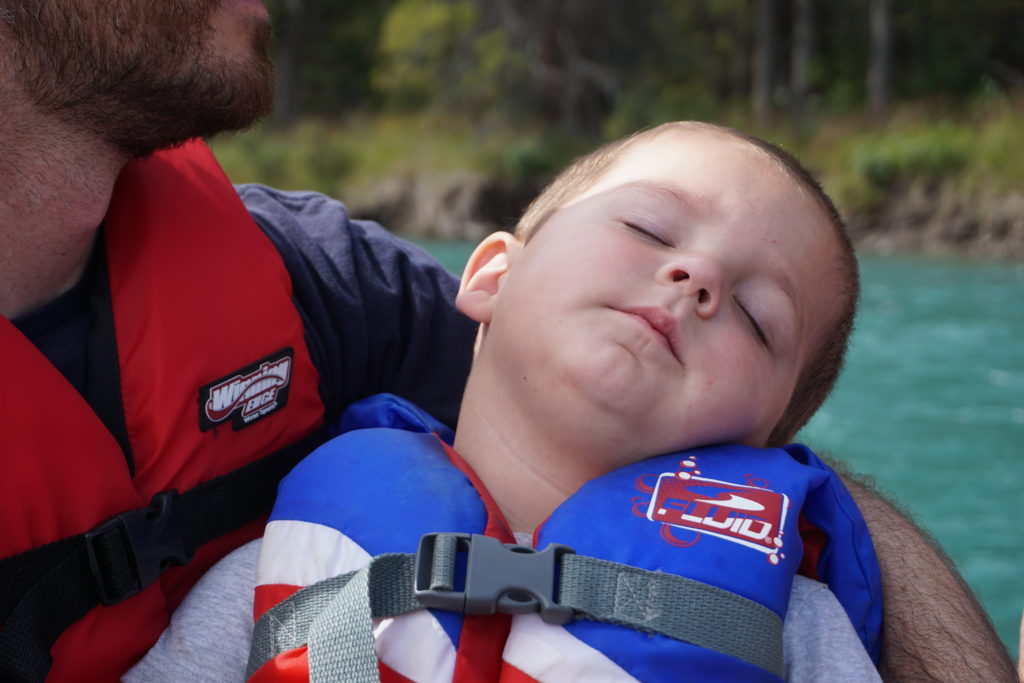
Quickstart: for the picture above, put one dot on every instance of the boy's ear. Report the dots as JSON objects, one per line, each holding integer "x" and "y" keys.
{"x": 484, "y": 273}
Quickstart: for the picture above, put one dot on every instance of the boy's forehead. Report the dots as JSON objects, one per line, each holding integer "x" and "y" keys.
{"x": 703, "y": 167}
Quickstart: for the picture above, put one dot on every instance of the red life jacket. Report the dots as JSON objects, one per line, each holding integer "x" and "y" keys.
{"x": 214, "y": 374}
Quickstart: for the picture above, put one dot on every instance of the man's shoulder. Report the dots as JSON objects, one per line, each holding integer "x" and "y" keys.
{"x": 280, "y": 211}
{"x": 361, "y": 291}
{"x": 257, "y": 196}
{"x": 313, "y": 223}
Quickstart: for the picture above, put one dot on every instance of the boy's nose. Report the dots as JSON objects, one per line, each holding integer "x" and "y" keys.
{"x": 700, "y": 277}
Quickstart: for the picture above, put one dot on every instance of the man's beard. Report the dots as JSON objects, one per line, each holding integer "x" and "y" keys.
{"x": 139, "y": 74}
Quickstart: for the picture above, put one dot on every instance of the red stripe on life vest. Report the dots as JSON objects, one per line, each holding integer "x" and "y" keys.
{"x": 268, "y": 595}
{"x": 483, "y": 637}
{"x": 510, "y": 674}
{"x": 292, "y": 665}
{"x": 496, "y": 526}
{"x": 814, "y": 540}
{"x": 389, "y": 675}
{"x": 481, "y": 643}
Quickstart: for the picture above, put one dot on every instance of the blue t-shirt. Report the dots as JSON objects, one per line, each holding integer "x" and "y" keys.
{"x": 378, "y": 312}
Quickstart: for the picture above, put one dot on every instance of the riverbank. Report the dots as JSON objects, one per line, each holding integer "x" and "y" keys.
{"x": 921, "y": 218}
{"x": 940, "y": 220}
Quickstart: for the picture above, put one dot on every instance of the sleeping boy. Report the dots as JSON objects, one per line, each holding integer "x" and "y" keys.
{"x": 687, "y": 287}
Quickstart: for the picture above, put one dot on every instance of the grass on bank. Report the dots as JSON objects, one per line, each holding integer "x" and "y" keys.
{"x": 976, "y": 146}
{"x": 330, "y": 156}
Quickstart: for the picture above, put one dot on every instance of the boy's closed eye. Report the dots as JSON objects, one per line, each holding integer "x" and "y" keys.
{"x": 752, "y": 323}
{"x": 647, "y": 233}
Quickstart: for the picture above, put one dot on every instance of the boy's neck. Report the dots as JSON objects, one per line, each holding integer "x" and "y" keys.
{"x": 528, "y": 460}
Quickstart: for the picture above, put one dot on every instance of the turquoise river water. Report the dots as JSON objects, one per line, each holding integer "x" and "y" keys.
{"x": 932, "y": 405}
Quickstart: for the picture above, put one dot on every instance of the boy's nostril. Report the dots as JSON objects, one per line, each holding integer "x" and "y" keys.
{"x": 680, "y": 275}
{"x": 703, "y": 296}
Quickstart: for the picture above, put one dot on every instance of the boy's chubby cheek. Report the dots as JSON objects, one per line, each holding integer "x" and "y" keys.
{"x": 609, "y": 380}
{"x": 601, "y": 368}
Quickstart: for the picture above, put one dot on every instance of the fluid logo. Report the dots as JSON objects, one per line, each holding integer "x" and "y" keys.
{"x": 749, "y": 515}
{"x": 249, "y": 394}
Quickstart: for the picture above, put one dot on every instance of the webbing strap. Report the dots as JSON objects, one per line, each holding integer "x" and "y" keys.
{"x": 333, "y": 617}
{"x": 675, "y": 606}
{"x": 106, "y": 565}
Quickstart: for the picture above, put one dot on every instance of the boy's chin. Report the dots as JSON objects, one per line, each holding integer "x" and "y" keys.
{"x": 616, "y": 381}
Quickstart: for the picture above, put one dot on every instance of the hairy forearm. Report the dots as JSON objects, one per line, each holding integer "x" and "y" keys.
{"x": 934, "y": 629}
{"x": 1020, "y": 650}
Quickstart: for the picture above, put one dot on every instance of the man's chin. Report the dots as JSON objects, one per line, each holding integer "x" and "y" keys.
{"x": 163, "y": 77}
{"x": 196, "y": 113}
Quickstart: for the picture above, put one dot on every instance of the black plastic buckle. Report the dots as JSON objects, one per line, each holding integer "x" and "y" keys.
{"x": 500, "y": 577}
{"x": 150, "y": 541}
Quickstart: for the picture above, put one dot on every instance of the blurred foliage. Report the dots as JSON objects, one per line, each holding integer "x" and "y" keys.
{"x": 515, "y": 89}
{"x": 974, "y": 145}
{"x": 418, "y": 50}
{"x": 326, "y": 52}
{"x": 562, "y": 62}
{"x": 310, "y": 155}
{"x": 329, "y": 156}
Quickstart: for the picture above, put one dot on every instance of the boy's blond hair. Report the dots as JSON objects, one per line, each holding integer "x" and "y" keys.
{"x": 819, "y": 374}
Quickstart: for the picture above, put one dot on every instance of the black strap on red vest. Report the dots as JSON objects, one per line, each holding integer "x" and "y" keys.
{"x": 47, "y": 589}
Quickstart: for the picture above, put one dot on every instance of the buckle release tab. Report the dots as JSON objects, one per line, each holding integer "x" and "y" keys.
{"x": 128, "y": 551}
{"x": 499, "y": 577}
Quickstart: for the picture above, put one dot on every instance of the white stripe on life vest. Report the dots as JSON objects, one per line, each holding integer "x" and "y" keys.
{"x": 302, "y": 553}
{"x": 416, "y": 646}
{"x": 298, "y": 553}
{"x": 550, "y": 654}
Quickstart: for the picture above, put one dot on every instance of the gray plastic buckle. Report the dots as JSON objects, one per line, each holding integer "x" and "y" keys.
{"x": 500, "y": 577}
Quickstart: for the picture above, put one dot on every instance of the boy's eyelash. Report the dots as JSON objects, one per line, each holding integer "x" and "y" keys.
{"x": 646, "y": 233}
{"x": 753, "y": 323}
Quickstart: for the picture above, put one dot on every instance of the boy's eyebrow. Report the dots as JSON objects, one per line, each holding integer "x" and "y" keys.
{"x": 670, "y": 192}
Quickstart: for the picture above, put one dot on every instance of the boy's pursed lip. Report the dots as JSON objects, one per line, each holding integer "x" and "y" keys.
{"x": 661, "y": 322}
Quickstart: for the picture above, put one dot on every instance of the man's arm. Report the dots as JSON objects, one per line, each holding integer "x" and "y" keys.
{"x": 379, "y": 313}
{"x": 1020, "y": 650}
{"x": 934, "y": 629}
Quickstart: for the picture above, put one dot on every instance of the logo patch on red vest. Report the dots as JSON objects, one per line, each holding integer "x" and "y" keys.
{"x": 249, "y": 394}
{"x": 752, "y": 516}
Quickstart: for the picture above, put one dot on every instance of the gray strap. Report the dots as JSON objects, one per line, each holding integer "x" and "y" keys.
{"x": 675, "y": 606}
{"x": 334, "y": 618}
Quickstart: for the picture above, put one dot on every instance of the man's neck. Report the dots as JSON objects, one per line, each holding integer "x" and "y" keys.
{"x": 56, "y": 184}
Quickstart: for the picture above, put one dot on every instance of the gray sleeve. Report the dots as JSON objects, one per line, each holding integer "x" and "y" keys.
{"x": 209, "y": 635}
{"x": 819, "y": 642}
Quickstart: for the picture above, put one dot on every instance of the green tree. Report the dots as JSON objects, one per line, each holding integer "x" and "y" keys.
{"x": 609, "y": 68}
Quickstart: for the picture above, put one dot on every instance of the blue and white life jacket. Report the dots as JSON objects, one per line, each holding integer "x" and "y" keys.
{"x": 737, "y": 521}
